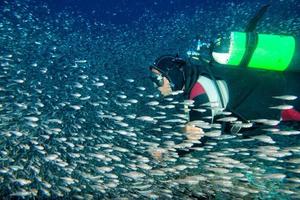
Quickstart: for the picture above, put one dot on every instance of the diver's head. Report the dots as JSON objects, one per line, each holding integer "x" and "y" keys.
{"x": 167, "y": 74}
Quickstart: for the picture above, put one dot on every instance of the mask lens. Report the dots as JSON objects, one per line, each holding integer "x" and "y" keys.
{"x": 157, "y": 79}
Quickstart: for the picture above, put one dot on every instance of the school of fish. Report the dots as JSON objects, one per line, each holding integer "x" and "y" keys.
{"x": 79, "y": 118}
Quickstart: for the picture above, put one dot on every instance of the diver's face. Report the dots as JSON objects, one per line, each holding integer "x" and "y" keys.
{"x": 165, "y": 87}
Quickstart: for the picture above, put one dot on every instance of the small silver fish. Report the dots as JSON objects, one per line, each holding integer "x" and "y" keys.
{"x": 141, "y": 88}
{"x": 129, "y": 80}
{"x": 282, "y": 107}
{"x": 152, "y": 103}
{"x": 227, "y": 119}
{"x": 98, "y": 84}
{"x": 286, "y": 97}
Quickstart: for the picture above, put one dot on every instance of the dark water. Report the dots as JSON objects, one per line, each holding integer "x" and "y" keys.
{"x": 78, "y": 115}
{"x": 126, "y": 12}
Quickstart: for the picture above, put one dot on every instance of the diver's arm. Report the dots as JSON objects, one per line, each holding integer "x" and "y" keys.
{"x": 193, "y": 133}
{"x": 194, "y": 138}
{"x": 199, "y": 118}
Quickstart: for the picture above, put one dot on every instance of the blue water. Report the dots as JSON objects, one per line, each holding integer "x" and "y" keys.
{"x": 125, "y": 11}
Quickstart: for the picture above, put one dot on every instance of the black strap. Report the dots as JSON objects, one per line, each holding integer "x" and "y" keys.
{"x": 252, "y": 37}
{"x": 253, "y": 22}
{"x": 251, "y": 44}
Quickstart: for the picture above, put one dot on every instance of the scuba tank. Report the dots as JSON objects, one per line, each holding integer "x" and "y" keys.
{"x": 251, "y": 50}
{"x": 259, "y": 51}
{"x": 248, "y": 62}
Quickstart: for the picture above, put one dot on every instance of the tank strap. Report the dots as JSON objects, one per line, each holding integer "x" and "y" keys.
{"x": 251, "y": 26}
{"x": 252, "y": 36}
{"x": 251, "y": 44}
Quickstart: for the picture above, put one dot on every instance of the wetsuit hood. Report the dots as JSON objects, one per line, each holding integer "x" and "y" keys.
{"x": 172, "y": 68}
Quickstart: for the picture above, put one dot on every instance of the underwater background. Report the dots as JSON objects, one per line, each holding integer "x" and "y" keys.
{"x": 78, "y": 113}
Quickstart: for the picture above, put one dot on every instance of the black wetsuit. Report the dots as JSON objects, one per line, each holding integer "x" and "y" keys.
{"x": 251, "y": 95}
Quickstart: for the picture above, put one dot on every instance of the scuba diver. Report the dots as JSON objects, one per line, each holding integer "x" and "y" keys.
{"x": 243, "y": 80}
